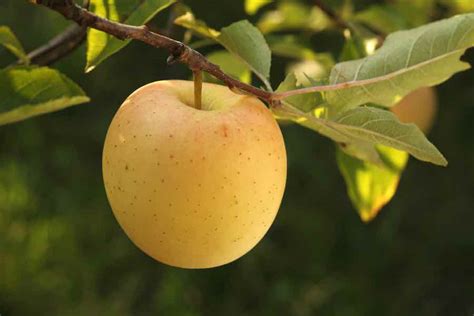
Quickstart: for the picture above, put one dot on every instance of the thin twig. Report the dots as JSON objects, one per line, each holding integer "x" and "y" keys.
{"x": 343, "y": 24}
{"x": 178, "y": 51}
{"x": 59, "y": 46}
{"x": 332, "y": 14}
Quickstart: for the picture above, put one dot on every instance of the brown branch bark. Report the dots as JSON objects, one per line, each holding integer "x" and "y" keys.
{"x": 179, "y": 52}
{"x": 59, "y": 46}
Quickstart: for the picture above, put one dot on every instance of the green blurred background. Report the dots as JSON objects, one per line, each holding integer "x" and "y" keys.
{"x": 63, "y": 253}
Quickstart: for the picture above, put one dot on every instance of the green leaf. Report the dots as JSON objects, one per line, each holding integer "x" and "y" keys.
{"x": 408, "y": 60}
{"x": 245, "y": 41}
{"x": 354, "y": 47}
{"x": 290, "y": 16}
{"x": 31, "y": 91}
{"x": 383, "y": 127}
{"x": 304, "y": 102}
{"x": 384, "y": 18}
{"x": 134, "y": 12}
{"x": 459, "y": 6}
{"x": 359, "y": 43}
{"x": 310, "y": 72}
{"x": 365, "y": 151}
{"x": 292, "y": 46}
{"x": 230, "y": 64}
{"x": 372, "y": 125}
{"x": 241, "y": 38}
{"x": 252, "y": 6}
{"x": 397, "y": 16}
{"x": 371, "y": 186}
{"x": 11, "y": 42}
{"x": 189, "y": 21}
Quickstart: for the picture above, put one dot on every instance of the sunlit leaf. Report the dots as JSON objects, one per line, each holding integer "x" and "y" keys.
{"x": 408, "y": 60}
{"x": 309, "y": 71}
{"x": 252, "y": 6}
{"x": 293, "y": 16}
{"x": 31, "y": 91}
{"x": 231, "y": 65}
{"x": 459, "y": 6}
{"x": 355, "y": 46}
{"x": 289, "y": 46}
{"x": 384, "y": 18}
{"x": 188, "y": 21}
{"x": 398, "y": 15}
{"x": 11, "y": 42}
{"x": 371, "y": 186}
{"x": 362, "y": 150}
{"x": 134, "y": 12}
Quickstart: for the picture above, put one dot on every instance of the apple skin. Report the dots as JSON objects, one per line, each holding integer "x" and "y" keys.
{"x": 194, "y": 188}
{"x": 419, "y": 107}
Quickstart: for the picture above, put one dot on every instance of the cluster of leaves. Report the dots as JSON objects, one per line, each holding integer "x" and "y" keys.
{"x": 27, "y": 90}
{"x": 348, "y": 95}
{"x": 373, "y": 145}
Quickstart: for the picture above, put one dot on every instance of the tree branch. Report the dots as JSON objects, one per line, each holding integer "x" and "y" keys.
{"x": 59, "y": 46}
{"x": 179, "y": 52}
{"x": 332, "y": 14}
{"x": 340, "y": 22}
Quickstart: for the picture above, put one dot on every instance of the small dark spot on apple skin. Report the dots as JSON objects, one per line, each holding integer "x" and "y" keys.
{"x": 224, "y": 129}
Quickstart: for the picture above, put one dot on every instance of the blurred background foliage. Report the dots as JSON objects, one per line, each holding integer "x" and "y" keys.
{"x": 62, "y": 252}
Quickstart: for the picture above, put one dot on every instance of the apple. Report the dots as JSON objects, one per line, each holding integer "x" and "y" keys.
{"x": 194, "y": 188}
{"x": 419, "y": 107}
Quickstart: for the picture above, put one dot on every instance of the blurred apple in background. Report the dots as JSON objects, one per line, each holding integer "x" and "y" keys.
{"x": 419, "y": 107}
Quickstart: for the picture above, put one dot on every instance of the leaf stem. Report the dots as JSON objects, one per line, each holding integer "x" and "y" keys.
{"x": 197, "y": 89}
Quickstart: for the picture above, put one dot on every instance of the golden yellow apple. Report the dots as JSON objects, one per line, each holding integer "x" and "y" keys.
{"x": 194, "y": 188}
{"x": 419, "y": 107}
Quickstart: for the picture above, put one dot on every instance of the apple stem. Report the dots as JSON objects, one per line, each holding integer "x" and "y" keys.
{"x": 197, "y": 88}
